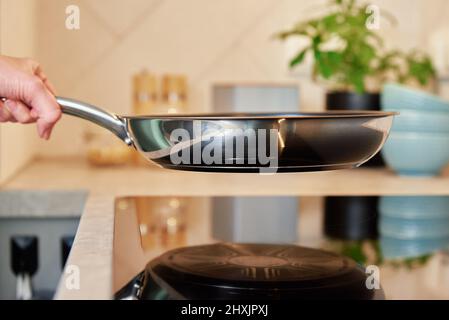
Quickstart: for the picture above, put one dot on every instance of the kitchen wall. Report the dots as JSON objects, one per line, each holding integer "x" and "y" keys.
{"x": 17, "y": 38}
{"x": 208, "y": 40}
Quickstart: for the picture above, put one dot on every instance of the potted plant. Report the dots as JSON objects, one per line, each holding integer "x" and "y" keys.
{"x": 350, "y": 58}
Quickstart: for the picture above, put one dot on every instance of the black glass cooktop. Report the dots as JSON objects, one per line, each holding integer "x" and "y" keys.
{"x": 248, "y": 271}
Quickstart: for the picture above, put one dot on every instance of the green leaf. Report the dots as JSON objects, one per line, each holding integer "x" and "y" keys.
{"x": 420, "y": 67}
{"x": 356, "y": 79}
{"x": 334, "y": 58}
{"x": 299, "y": 58}
{"x": 355, "y": 251}
{"x": 286, "y": 34}
{"x": 328, "y": 62}
{"x": 316, "y": 41}
{"x": 330, "y": 22}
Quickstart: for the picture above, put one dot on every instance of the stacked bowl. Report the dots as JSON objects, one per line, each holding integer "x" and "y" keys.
{"x": 418, "y": 144}
{"x": 413, "y": 226}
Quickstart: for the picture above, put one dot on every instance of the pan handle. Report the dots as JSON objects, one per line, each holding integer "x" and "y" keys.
{"x": 107, "y": 120}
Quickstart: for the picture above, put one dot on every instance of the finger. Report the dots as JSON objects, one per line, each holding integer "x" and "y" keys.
{"x": 5, "y": 115}
{"x": 19, "y": 111}
{"x": 50, "y": 87}
{"x": 35, "y": 94}
{"x": 46, "y": 107}
{"x": 45, "y": 80}
{"x": 34, "y": 113}
{"x": 51, "y": 114}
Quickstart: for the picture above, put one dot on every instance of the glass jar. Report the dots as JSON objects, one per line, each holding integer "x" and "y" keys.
{"x": 104, "y": 150}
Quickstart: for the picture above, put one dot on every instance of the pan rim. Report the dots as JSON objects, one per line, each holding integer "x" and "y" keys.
{"x": 269, "y": 116}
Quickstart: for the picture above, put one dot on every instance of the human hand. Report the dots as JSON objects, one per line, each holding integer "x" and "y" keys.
{"x": 27, "y": 95}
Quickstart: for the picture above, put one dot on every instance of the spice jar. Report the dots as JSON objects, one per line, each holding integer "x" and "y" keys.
{"x": 173, "y": 94}
{"x": 144, "y": 93}
{"x": 145, "y": 99}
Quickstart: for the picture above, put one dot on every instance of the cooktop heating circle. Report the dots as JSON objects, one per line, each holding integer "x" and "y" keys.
{"x": 254, "y": 271}
{"x": 258, "y": 261}
{"x": 251, "y": 262}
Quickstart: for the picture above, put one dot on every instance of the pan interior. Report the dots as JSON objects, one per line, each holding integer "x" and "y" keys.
{"x": 285, "y": 144}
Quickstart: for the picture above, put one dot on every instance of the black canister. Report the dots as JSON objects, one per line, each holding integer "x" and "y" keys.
{"x": 343, "y": 100}
{"x": 351, "y": 218}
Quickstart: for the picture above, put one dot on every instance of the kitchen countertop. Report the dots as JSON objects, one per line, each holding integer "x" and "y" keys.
{"x": 88, "y": 270}
{"x": 76, "y": 174}
{"x": 41, "y": 204}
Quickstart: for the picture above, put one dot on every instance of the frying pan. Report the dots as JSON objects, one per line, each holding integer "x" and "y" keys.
{"x": 265, "y": 142}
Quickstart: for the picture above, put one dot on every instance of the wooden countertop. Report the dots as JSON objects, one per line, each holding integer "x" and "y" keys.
{"x": 88, "y": 270}
{"x": 76, "y": 174}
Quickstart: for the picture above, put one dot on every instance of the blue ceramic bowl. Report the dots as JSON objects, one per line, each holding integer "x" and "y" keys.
{"x": 398, "y": 97}
{"x": 409, "y": 229}
{"x": 421, "y": 121}
{"x": 414, "y": 207}
{"x": 393, "y": 248}
{"x": 416, "y": 154}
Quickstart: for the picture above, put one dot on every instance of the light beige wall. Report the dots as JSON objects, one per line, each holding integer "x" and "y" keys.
{"x": 17, "y": 36}
{"x": 209, "y": 40}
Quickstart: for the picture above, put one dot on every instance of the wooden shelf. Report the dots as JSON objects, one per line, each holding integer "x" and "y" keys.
{"x": 76, "y": 174}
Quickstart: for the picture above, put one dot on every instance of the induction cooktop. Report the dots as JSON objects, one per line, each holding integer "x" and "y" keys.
{"x": 191, "y": 266}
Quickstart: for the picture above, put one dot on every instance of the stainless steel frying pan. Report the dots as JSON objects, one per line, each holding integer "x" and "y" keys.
{"x": 290, "y": 142}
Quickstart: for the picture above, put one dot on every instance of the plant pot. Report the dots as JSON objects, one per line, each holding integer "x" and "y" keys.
{"x": 351, "y": 218}
{"x": 344, "y": 100}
